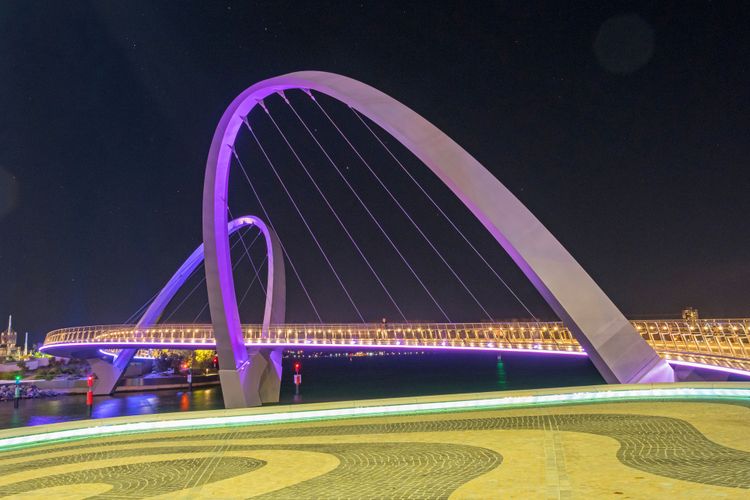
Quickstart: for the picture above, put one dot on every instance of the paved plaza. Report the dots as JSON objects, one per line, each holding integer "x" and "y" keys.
{"x": 631, "y": 449}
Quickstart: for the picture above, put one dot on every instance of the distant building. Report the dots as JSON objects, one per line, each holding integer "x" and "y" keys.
{"x": 690, "y": 314}
{"x": 8, "y": 340}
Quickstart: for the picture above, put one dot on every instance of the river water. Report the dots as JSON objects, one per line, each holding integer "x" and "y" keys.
{"x": 336, "y": 379}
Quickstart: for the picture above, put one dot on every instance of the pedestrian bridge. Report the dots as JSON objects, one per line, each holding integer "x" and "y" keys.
{"x": 714, "y": 344}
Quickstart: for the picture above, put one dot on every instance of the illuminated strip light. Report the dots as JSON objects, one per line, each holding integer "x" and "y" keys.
{"x": 115, "y": 355}
{"x": 692, "y": 364}
{"x": 540, "y": 350}
{"x": 177, "y": 345}
{"x": 725, "y": 369}
{"x": 368, "y": 411}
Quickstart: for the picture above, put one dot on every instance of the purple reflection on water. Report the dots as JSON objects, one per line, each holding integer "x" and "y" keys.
{"x": 343, "y": 377}
{"x": 45, "y": 419}
{"x": 73, "y": 407}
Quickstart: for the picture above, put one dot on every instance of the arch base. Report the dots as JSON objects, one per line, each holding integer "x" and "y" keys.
{"x": 108, "y": 374}
{"x": 689, "y": 374}
{"x": 255, "y": 383}
{"x": 657, "y": 371}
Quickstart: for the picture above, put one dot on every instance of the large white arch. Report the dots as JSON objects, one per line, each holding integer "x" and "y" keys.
{"x": 274, "y": 312}
{"x": 615, "y": 348}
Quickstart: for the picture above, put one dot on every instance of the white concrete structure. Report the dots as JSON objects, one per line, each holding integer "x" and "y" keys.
{"x": 268, "y": 360}
{"x": 615, "y": 348}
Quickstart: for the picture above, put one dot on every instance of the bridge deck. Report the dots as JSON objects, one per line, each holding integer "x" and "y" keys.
{"x": 712, "y": 343}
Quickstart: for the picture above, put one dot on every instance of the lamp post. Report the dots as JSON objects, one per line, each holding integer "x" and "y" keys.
{"x": 17, "y": 395}
{"x": 297, "y": 377}
{"x": 190, "y": 372}
{"x": 90, "y": 394}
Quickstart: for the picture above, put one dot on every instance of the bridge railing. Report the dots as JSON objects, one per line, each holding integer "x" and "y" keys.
{"x": 728, "y": 338}
{"x": 478, "y": 335}
{"x": 721, "y": 337}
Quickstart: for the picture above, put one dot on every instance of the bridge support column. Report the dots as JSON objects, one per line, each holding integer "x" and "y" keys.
{"x": 258, "y": 381}
{"x": 108, "y": 374}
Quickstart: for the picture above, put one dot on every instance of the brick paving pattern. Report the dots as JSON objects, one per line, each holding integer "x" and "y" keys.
{"x": 144, "y": 479}
{"x": 664, "y": 446}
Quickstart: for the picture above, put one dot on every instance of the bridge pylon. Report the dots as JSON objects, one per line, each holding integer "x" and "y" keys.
{"x": 108, "y": 374}
{"x": 256, "y": 382}
{"x": 264, "y": 364}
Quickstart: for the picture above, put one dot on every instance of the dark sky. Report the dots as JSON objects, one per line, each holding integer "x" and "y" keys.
{"x": 623, "y": 128}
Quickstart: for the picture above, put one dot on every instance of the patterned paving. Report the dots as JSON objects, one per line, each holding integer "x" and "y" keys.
{"x": 143, "y": 480}
{"x": 395, "y": 470}
{"x": 377, "y": 464}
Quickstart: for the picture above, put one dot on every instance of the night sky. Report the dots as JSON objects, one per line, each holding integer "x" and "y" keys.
{"x": 624, "y": 129}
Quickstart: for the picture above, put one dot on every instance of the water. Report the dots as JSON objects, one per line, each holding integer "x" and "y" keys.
{"x": 337, "y": 379}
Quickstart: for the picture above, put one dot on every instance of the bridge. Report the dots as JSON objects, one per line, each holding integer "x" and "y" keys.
{"x": 250, "y": 355}
{"x": 713, "y": 344}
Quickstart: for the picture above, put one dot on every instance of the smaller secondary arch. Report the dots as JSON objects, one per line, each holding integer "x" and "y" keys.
{"x": 275, "y": 308}
{"x": 274, "y": 311}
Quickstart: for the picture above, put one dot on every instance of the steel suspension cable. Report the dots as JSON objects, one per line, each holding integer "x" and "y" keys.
{"x": 146, "y": 304}
{"x": 190, "y": 293}
{"x": 442, "y": 212}
{"x": 247, "y": 290}
{"x": 142, "y": 308}
{"x": 374, "y": 219}
{"x": 247, "y": 252}
{"x": 234, "y": 266}
{"x": 390, "y": 194}
{"x": 398, "y": 204}
{"x": 338, "y": 219}
{"x": 270, "y": 224}
{"x": 301, "y": 215}
{"x": 174, "y": 311}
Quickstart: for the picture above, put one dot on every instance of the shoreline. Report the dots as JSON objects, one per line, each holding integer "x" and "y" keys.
{"x": 78, "y": 386}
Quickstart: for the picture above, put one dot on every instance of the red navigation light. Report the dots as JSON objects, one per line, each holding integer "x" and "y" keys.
{"x": 90, "y": 381}
{"x": 297, "y": 366}
{"x": 216, "y": 361}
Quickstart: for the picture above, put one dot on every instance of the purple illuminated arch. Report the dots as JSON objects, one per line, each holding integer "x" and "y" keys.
{"x": 275, "y": 308}
{"x": 274, "y": 312}
{"x": 614, "y": 346}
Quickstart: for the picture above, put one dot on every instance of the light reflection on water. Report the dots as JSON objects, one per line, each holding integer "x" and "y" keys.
{"x": 335, "y": 379}
{"x": 73, "y": 407}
